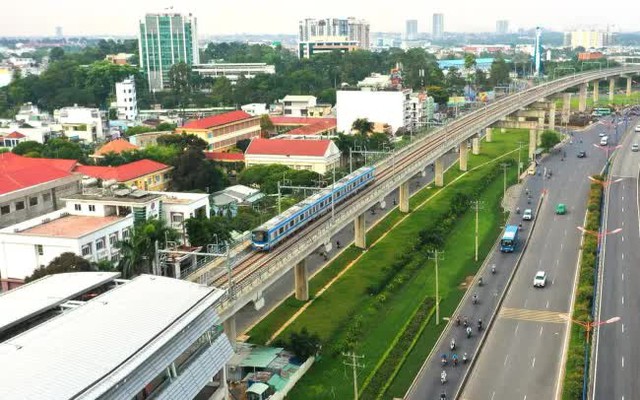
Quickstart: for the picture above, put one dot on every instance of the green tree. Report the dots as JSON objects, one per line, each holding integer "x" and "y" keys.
{"x": 304, "y": 344}
{"x": 203, "y": 231}
{"x": 56, "y": 54}
{"x": 499, "y": 72}
{"x": 439, "y": 94}
{"x": 65, "y": 262}
{"x": 134, "y": 130}
{"x": 137, "y": 253}
{"x": 363, "y": 126}
{"x": 548, "y": 139}
{"x": 62, "y": 148}
{"x": 29, "y": 147}
{"x": 243, "y": 144}
{"x": 194, "y": 172}
{"x": 165, "y": 126}
{"x": 182, "y": 141}
{"x": 266, "y": 125}
{"x": 180, "y": 82}
{"x": 469, "y": 61}
{"x": 222, "y": 91}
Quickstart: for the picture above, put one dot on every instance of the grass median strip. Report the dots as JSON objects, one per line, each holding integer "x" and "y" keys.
{"x": 348, "y": 315}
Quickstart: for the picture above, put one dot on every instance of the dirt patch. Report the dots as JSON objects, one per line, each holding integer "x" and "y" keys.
{"x": 466, "y": 283}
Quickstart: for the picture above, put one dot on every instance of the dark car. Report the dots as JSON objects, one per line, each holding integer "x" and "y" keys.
{"x": 582, "y": 154}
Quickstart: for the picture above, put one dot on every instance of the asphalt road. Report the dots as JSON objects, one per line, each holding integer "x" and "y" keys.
{"x": 283, "y": 288}
{"x": 617, "y": 355}
{"x": 523, "y": 353}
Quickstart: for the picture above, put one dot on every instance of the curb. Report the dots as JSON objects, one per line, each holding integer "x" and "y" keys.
{"x": 482, "y": 341}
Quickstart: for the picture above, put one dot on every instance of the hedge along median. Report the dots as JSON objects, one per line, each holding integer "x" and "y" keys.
{"x": 575, "y": 365}
{"x": 374, "y": 304}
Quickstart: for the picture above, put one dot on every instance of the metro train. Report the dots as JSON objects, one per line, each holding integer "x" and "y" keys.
{"x": 278, "y": 228}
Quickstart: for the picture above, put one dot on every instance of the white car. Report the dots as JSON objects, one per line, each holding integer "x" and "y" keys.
{"x": 540, "y": 279}
{"x": 635, "y": 147}
{"x": 527, "y": 215}
{"x": 637, "y": 128}
{"x": 601, "y": 134}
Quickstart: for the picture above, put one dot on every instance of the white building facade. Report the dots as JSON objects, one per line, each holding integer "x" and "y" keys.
{"x": 81, "y": 123}
{"x": 392, "y": 107}
{"x": 233, "y": 71}
{"x": 126, "y": 100}
{"x": 91, "y": 233}
{"x": 297, "y": 106}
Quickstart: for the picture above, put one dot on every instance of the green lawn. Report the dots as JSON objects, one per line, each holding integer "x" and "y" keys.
{"x": 346, "y": 300}
{"x": 603, "y": 101}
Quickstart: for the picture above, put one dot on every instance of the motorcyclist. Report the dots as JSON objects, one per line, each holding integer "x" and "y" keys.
{"x": 443, "y": 396}
{"x": 455, "y": 359}
{"x": 337, "y": 244}
{"x": 475, "y": 298}
{"x": 480, "y": 281}
{"x": 465, "y": 321}
{"x": 453, "y": 344}
{"x": 443, "y": 377}
{"x": 468, "y": 331}
{"x": 458, "y": 320}
{"x": 493, "y": 268}
{"x": 517, "y": 210}
{"x": 479, "y": 324}
{"x": 464, "y": 358}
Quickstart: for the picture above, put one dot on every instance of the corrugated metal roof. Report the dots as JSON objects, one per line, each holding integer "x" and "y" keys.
{"x": 47, "y": 293}
{"x": 88, "y": 350}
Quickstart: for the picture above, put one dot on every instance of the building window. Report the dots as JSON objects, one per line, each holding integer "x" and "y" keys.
{"x": 100, "y": 244}
{"x": 92, "y": 207}
{"x": 33, "y": 201}
{"x": 39, "y": 250}
{"x": 125, "y": 234}
{"x": 113, "y": 239}
{"x": 19, "y": 205}
{"x": 4, "y": 210}
{"x": 177, "y": 218}
{"x": 46, "y": 197}
{"x": 77, "y": 207}
{"x": 156, "y": 178}
{"x": 86, "y": 250}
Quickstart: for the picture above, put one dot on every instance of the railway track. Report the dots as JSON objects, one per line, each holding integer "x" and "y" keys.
{"x": 253, "y": 266}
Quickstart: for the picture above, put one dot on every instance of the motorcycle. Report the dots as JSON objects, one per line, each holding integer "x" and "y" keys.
{"x": 479, "y": 325}
{"x": 493, "y": 269}
{"x": 475, "y": 299}
{"x": 468, "y": 332}
{"x": 458, "y": 320}
{"x": 465, "y": 322}
{"x": 464, "y": 358}
{"x": 443, "y": 377}
{"x": 452, "y": 345}
{"x": 480, "y": 283}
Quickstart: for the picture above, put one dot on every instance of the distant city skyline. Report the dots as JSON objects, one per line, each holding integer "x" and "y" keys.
{"x": 120, "y": 17}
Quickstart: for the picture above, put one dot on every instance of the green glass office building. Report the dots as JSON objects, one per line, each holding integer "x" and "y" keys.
{"x": 164, "y": 40}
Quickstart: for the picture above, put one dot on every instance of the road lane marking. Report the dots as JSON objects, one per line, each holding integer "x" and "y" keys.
{"x": 493, "y": 395}
{"x": 623, "y": 300}
{"x": 623, "y": 256}
{"x": 622, "y": 198}
{"x": 623, "y": 276}
{"x": 557, "y": 262}
{"x": 623, "y": 238}
{"x": 541, "y": 329}
{"x": 547, "y": 304}
{"x": 516, "y": 331}
{"x": 622, "y": 209}
{"x": 623, "y": 362}
{"x": 506, "y": 359}
{"x": 622, "y": 325}
{"x": 533, "y": 315}
{"x": 561, "y": 246}
{"x": 533, "y": 363}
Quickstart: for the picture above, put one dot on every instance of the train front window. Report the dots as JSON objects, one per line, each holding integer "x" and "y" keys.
{"x": 259, "y": 236}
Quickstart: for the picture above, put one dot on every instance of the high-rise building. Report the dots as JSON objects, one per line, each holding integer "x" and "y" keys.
{"x": 329, "y": 34}
{"x": 59, "y": 31}
{"x": 438, "y": 26}
{"x": 590, "y": 39}
{"x": 411, "y": 29}
{"x": 502, "y": 26}
{"x": 166, "y": 39}
{"x": 126, "y": 100}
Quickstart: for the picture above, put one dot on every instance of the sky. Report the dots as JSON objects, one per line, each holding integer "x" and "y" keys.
{"x": 119, "y": 17}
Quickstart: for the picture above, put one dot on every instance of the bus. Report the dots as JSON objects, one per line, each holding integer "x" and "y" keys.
{"x": 601, "y": 111}
{"x": 509, "y": 239}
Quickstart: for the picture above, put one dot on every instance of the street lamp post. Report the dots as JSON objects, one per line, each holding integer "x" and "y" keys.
{"x": 604, "y": 183}
{"x": 599, "y": 235}
{"x": 607, "y": 148}
{"x": 589, "y": 325}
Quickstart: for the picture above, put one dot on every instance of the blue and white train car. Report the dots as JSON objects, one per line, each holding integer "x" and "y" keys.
{"x": 278, "y": 228}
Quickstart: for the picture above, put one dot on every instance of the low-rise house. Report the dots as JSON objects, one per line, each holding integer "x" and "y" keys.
{"x": 115, "y": 146}
{"x": 146, "y": 139}
{"x": 142, "y": 174}
{"x": 297, "y": 105}
{"x": 81, "y": 123}
{"x": 315, "y": 155}
{"x": 227, "y": 201}
{"x": 12, "y": 140}
{"x": 223, "y": 131}
{"x": 30, "y": 187}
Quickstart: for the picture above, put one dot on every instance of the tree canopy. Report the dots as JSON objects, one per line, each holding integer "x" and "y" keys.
{"x": 65, "y": 262}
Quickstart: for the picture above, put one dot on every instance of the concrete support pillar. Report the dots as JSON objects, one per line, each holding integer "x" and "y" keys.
{"x": 475, "y": 146}
{"x": 629, "y": 80}
{"x": 302, "y": 281}
{"x": 533, "y": 143}
{"x": 582, "y": 99}
{"x": 360, "y": 232}
{"x": 552, "y": 115}
{"x": 596, "y": 91}
{"x": 177, "y": 271}
{"x": 487, "y": 134}
{"x": 541, "y": 121}
{"x": 439, "y": 170}
{"x": 612, "y": 88}
{"x": 404, "y": 197}
{"x": 230, "y": 329}
{"x": 464, "y": 156}
{"x": 566, "y": 107}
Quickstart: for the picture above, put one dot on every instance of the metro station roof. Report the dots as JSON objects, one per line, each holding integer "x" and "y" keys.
{"x": 86, "y": 351}
{"x": 26, "y": 301}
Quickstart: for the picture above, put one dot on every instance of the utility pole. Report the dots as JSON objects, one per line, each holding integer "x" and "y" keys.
{"x": 352, "y": 361}
{"x": 436, "y": 256}
{"x": 520, "y": 143}
{"x": 477, "y": 204}
{"x": 504, "y": 166}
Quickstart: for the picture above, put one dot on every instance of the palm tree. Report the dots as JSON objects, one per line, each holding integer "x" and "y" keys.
{"x": 363, "y": 126}
{"x": 137, "y": 253}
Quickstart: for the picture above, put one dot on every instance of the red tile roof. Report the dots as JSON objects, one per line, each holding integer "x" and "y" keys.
{"x": 17, "y": 172}
{"x": 322, "y": 126}
{"x": 15, "y": 135}
{"x": 216, "y": 120}
{"x": 124, "y": 172}
{"x": 284, "y": 121}
{"x": 220, "y": 156}
{"x": 115, "y": 146}
{"x": 287, "y": 147}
